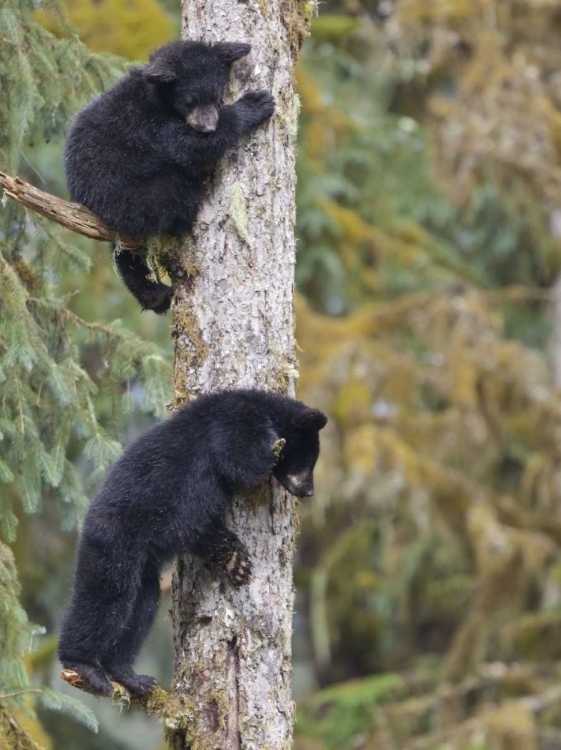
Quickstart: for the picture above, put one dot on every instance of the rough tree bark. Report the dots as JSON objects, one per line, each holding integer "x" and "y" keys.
{"x": 233, "y": 327}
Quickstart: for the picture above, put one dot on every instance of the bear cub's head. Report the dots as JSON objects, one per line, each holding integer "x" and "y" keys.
{"x": 295, "y": 466}
{"x": 189, "y": 79}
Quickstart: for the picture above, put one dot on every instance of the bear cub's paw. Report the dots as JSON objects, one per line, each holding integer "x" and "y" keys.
{"x": 239, "y": 567}
{"x": 260, "y": 104}
{"x": 90, "y": 678}
{"x": 136, "y": 684}
{"x": 156, "y": 297}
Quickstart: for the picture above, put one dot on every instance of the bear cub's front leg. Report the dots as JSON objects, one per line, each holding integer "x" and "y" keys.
{"x": 224, "y": 550}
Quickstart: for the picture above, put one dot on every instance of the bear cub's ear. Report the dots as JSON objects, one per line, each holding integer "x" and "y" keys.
{"x": 232, "y": 51}
{"x": 312, "y": 419}
{"x": 160, "y": 70}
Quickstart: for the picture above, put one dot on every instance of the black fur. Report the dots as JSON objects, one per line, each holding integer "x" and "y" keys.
{"x": 139, "y": 154}
{"x": 167, "y": 494}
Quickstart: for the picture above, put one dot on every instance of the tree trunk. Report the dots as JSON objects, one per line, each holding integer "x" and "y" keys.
{"x": 233, "y": 327}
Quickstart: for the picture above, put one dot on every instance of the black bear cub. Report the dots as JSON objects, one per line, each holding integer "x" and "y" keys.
{"x": 139, "y": 154}
{"x": 168, "y": 494}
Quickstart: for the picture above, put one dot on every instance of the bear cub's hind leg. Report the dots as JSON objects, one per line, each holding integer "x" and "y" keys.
{"x": 118, "y": 662}
{"x": 152, "y": 295}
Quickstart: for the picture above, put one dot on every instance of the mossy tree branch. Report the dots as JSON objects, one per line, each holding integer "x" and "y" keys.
{"x": 72, "y": 216}
{"x": 173, "y": 710}
{"x": 154, "y": 703}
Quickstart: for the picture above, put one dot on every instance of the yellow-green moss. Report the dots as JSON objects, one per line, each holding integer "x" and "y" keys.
{"x": 296, "y": 20}
{"x": 185, "y": 323}
{"x": 12, "y": 736}
{"x": 157, "y": 702}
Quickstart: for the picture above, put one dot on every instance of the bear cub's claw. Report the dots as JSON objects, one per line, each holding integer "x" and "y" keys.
{"x": 239, "y": 567}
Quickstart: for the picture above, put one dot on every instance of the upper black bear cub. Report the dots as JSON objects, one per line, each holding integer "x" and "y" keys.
{"x": 167, "y": 494}
{"x": 139, "y": 154}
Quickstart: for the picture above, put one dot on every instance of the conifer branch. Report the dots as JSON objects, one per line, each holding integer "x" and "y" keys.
{"x": 72, "y": 216}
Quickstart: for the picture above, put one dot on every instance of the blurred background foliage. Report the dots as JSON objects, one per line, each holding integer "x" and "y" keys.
{"x": 429, "y": 323}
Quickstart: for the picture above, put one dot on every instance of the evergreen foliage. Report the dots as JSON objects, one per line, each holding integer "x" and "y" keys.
{"x": 49, "y": 412}
{"x": 43, "y": 80}
{"x": 16, "y": 637}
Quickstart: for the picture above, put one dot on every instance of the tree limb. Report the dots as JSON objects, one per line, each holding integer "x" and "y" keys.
{"x": 155, "y": 702}
{"x": 72, "y": 216}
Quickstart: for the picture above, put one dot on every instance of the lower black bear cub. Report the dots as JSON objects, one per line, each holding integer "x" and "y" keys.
{"x": 168, "y": 494}
{"x": 139, "y": 154}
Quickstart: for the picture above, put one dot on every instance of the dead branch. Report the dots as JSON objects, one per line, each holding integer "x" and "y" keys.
{"x": 72, "y": 216}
